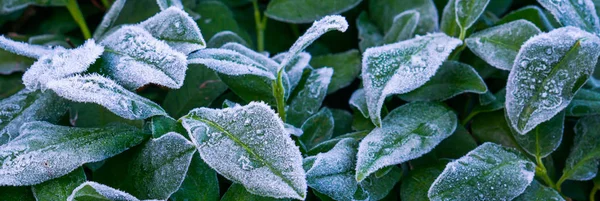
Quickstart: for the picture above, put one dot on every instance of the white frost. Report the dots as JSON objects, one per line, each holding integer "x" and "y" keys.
{"x": 24, "y": 49}
{"x": 175, "y": 27}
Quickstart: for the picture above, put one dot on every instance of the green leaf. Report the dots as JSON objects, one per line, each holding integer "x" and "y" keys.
{"x": 493, "y": 127}
{"x": 97, "y": 89}
{"x": 309, "y": 97}
{"x": 415, "y": 186}
{"x": 91, "y": 115}
{"x": 448, "y": 147}
{"x": 415, "y": 62}
{"x": 585, "y": 103}
{"x": 382, "y": 12}
{"x": 59, "y": 188}
{"x": 224, "y": 37}
{"x": 577, "y": 13}
{"x": 332, "y": 173}
{"x": 490, "y": 172}
{"x": 249, "y": 145}
{"x": 306, "y": 11}
{"x": 176, "y": 28}
{"x": 496, "y": 104}
{"x": 342, "y": 122}
{"x": 110, "y": 17}
{"x": 547, "y": 73}
{"x": 316, "y": 129}
{"x": 21, "y": 193}
{"x": 453, "y": 78}
{"x": 295, "y": 68}
{"x": 449, "y": 23}
{"x": 200, "y": 183}
{"x": 544, "y": 138}
{"x": 408, "y": 132}
{"x": 499, "y": 45}
{"x": 165, "y": 4}
{"x": 359, "y": 102}
{"x": 154, "y": 170}
{"x": 10, "y": 85}
{"x": 403, "y": 27}
{"x": 346, "y": 66}
{"x": 499, "y": 7}
{"x": 217, "y": 17}
{"x": 44, "y": 151}
{"x": 11, "y": 63}
{"x": 15, "y": 5}
{"x": 92, "y": 191}
{"x": 582, "y": 163}
{"x": 368, "y": 33}
{"x": 237, "y": 192}
{"x": 533, "y": 14}
{"x": 161, "y": 125}
{"x": 538, "y": 192}
{"x": 468, "y": 12}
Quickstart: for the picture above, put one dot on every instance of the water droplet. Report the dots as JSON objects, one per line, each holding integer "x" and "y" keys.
{"x": 440, "y": 48}
{"x": 549, "y": 51}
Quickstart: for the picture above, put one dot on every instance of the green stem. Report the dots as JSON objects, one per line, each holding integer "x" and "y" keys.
{"x": 73, "y": 8}
{"x": 463, "y": 34}
{"x": 106, "y": 4}
{"x": 279, "y": 93}
{"x": 468, "y": 118}
{"x": 542, "y": 172}
{"x": 593, "y": 193}
{"x": 261, "y": 25}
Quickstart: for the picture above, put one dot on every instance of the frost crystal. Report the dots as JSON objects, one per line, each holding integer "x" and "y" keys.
{"x": 100, "y": 191}
{"x": 547, "y": 72}
{"x": 100, "y": 90}
{"x": 263, "y": 60}
{"x": 402, "y": 67}
{"x": 176, "y": 28}
{"x": 249, "y": 145}
{"x": 60, "y": 64}
{"x": 24, "y": 49}
{"x": 134, "y": 58}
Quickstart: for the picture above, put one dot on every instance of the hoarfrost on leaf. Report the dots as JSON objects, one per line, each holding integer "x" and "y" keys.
{"x": 310, "y": 96}
{"x": 544, "y": 138}
{"x": 230, "y": 62}
{"x": 99, "y": 191}
{"x": 403, "y": 28}
{"x": 316, "y": 129}
{"x": 577, "y": 13}
{"x": 548, "y": 71}
{"x": 175, "y": 27}
{"x": 582, "y": 163}
{"x": 402, "y": 67}
{"x": 295, "y": 68}
{"x": 468, "y": 11}
{"x": 24, "y": 49}
{"x": 359, "y": 102}
{"x": 489, "y": 172}
{"x": 539, "y": 192}
{"x": 249, "y": 145}
{"x": 59, "y": 188}
{"x": 109, "y": 18}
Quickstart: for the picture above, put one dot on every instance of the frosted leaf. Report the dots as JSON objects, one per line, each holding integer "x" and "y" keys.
{"x": 332, "y": 173}
{"x": 237, "y": 192}
{"x": 153, "y": 170}
{"x": 59, "y": 188}
{"x": 200, "y": 183}
{"x": 176, "y": 28}
{"x": 403, "y": 28}
{"x": 489, "y": 172}
{"x": 449, "y": 23}
{"x": 318, "y": 28}
{"x": 346, "y": 66}
{"x": 408, "y": 132}
{"x": 134, "y": 58}
{"x": 9, "y": 6}
{"x": 544, "y": 138}
{"x": 60, "y": 64}
{"x": 306, "y": 11}
{"x": 24, "y": 49}
{"x": 585, "y": 103}
{"x": 582, "y": 163}
{"x": 224, "y": 37}
{"x": 531, "y": 13}
{"x": 499, "y": 45}
{"x": 44, "y": 151}
{"x": 26, "y": 106}
{"x": 295, "y": 67}
{"x": 453, "y": 78}
{"x": 100, "y": 90}
{"x": 539, "y": 192}
{"x": 402, "y": 67}
{"x": 415, "y": 186}
{"x": 310, "y": 96}
{"x": 547, "y": 72}
{"x": 359, "y": 102}
{"x": 468, "y": 11}
{"x": 577, "y": 13}
{"x": 316, "y": 129}
{"x": 99, "y": 191}
{"x": 166, "y": 4}
{"x": 249, "y": 145}
{"x": 368, "y": 33}
{"x": 382, "y": 12}
{"x": 109, "y": 18}
{"x": 292, "y": 130}
{"x": 329, "y": 144}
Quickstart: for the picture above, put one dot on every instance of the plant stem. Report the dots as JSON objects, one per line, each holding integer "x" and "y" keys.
{"x": 261, "y": 25}
{"x": 73, "y": 8}
{"x": 593, "y": 193}
{"x": 279, "y": 93}
{"x": 106, "y": 4}
{"x": 542, "y": 172}
{"x": 468, "y": 118}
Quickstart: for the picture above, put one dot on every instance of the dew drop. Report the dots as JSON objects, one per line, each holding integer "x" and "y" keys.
{"x": 549, "y": 51}
{"x": 440, "y": 48}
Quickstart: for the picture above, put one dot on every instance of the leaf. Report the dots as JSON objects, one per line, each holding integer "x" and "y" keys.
{"x": 448, "y": 147}
{"x": 15, "y": 5}
{"x": 44, "y": 151}
{"x": 332, "y": 173}
{"x": 368, "y": 33}
{"x": 237, "y": 192}
{"x": 94, "y": 191}
{"x": 10, "y": 85}
{"x": 329, "y": 144}
{"x": 224, "y": 37}
{"x": 176, "y": 28}
{"x": 305, "y": 11}
{"x": 60, "y": 64}
{"x": 585, "y": 103}
{"x": 59, "y": 188}
{"x": 250, "y": 146}
{"x": 86, "y": 115}
{"x": 217, "y": 17}
{"x": 346, "y": 66}
{"x": 408, "y": 132}
{"x": 533, "y": 14}
{"x": 449, "y": 23}
{"x": 453, "y": 78}
{"x": 383, "y": 12}
{"x": 97, "y": 89}
{"x": 310, "y": 96}
{"x": 548, "y": 71}
{"x": 200, "y": 183}
{"x": 403, "y": 27}
{"x": 11, "y": 63}
{"x": 21, "y": 193}
{"x": 493, "y": 127}
{"x": 154, "y": 170}
{"x": 134, "y": 58}
{"x": 342, "y": 122}
{"x": 166, "y": 4}
{"x": 468, "y": 11}
{"x": 109, "y": 18}
{"x": 415, "y": 62}
{"x": 24, "y": 49}
{"x": 359, "y": 102}
{"x": 580, "y": 13}
{"x": 499, "y": 45}
{"x": 538, "y": 192}
{"x": 415, "y": 186}
{"x": 295, "y": 69}
{"x": 544, "y": 138}
{"x": 490, "y": 172}
{"x": 496, "y": 104}
{"x": 582, "y": 163}
{"x": 316, "y": 129}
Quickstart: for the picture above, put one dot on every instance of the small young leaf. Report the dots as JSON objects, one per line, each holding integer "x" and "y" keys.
{"x": 368, "y": 33}
{"x": 490, "y": 172}
{"x": 44, "y": 151}
{"x": 176, "y": 28}
{"x": 402, "y": 67}
{"x": 585, "y": 103}
{"x": 580, "y": 13}
{"x": 468, "y": 11}
{"x": 305, "y": 11}
{"x": 359, "y": 102}
{"x": 14, "y": 5}
{"x": 309, "y": 98}
{"x": 533, "y": 14}
{"x": 249, "y": 145}
{"x": 200, "y": 183}
{"x": 154, "y": 170}
{"x": 408, "y": 132}
{"x": 453, "y": 78}
{"x": 538, "y": 192}
{"x": 346, "y": 66}
{"x": 295, "y": 69}
{"x": 237, "y": 192}
{"x": 499, "y": 45}
{"x": 547, "y": 72}
{"x": 582, "y": 163}
{"x": 403, "y": 27}
{"x": 382, "y": 12}
{"x": 100, "y": 90}
{"x": 415, "y": 186}
{"x": 59, "y": 188}
{"x": 94, "y": 191}
{"x": 316, "y": 129}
